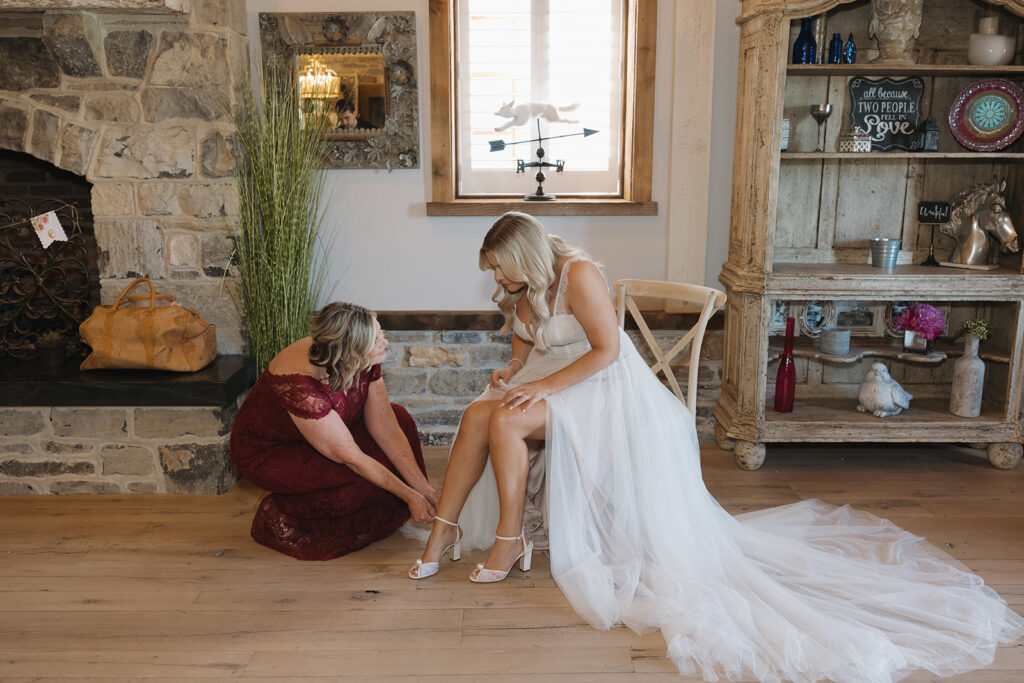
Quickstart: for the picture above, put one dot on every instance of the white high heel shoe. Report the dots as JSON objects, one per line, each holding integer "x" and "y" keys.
{"x": 483, "y": 575}
{"x": 422, "y": 570}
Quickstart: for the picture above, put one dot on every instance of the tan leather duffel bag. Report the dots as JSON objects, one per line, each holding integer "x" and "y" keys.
{"x": 166, "y": 337}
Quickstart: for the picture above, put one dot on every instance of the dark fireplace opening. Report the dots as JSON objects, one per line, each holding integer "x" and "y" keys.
{"x": 44, "y": 290}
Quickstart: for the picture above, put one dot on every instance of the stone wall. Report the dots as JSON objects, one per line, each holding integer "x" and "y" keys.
{"x": 436, "y": 374}
{"x": 122, "y": 449}
{"x": 140, "y": 105}
{"x": 65, "y": 450}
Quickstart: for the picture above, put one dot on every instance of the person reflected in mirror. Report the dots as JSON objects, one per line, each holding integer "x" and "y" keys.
{"x": 348, "y": 115}
{"x": 343, "y": 464}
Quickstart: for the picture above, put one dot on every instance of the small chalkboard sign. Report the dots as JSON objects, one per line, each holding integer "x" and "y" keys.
{"x": 888, "y": 110}
{"x": 933, "y": 212}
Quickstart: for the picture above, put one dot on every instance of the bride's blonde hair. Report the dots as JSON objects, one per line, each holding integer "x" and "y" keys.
{"x": 528, "y": 254}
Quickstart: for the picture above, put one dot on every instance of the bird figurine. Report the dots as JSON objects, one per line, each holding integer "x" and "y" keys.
{"x": 880, "y": 394}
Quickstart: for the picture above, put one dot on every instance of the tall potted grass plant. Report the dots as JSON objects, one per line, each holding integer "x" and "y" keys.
{"x": 281, "y": 209}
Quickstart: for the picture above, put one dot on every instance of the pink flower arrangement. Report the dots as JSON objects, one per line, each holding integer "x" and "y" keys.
{"x": 924, "y": 319}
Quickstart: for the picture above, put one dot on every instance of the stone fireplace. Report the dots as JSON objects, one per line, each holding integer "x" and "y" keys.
{"x": 135, "y": 97}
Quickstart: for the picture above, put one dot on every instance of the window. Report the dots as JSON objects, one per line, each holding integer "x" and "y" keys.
{"x": 592, "y": 60}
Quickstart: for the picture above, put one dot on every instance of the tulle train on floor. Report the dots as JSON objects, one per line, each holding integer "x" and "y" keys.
{"x": 799, "y": 592}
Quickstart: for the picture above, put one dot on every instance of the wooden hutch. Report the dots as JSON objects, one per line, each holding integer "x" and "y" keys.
{"x": 800, "y": 232}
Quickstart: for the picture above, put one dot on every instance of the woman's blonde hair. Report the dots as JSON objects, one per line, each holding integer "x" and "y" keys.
{"x": 528, "y": 254}
{"x": 343, "y": 337}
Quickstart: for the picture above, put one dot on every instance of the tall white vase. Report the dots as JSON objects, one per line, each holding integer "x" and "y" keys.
{"x": 968, "y": 381}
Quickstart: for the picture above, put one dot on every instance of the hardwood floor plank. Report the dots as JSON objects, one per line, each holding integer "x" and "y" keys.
{"x": 465, "y": 661}
{"x": 99, "y": 665}
{"x": 185, "y": 631}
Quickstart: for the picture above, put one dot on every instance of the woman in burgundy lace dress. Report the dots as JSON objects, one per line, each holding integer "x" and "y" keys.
{"x": 343, "y": 464}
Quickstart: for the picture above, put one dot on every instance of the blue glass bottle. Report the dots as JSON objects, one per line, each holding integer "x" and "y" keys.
{"x": 805, "y": 50}
{"x": 835, "y": 49}
{"x": 850, "y": 51}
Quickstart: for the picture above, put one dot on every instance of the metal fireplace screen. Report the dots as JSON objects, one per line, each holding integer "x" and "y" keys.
{"x": 43, "y": 290}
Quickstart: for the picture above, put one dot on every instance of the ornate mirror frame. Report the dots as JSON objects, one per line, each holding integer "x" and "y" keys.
{"x": 285, "y": 35}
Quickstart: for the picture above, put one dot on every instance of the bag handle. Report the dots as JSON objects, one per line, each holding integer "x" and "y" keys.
{"x": 124, "y": 292}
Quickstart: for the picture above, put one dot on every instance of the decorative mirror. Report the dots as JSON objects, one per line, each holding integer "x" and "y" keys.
{"x": 358, "y": 69}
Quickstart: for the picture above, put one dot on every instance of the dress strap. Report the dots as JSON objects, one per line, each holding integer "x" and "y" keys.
{"x": 563, "y": 284}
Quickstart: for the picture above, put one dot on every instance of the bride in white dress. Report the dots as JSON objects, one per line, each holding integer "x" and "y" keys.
{"x": 577, "y": 447}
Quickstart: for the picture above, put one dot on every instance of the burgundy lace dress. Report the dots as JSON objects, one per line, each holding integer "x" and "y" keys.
{"x": 318, "y": 509}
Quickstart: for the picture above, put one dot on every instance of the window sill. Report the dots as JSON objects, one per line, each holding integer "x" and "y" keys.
{"x": 557, "y": 207}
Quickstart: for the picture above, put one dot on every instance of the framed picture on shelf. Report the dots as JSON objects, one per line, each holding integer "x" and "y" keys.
{"x": 778, "y": 311}
{"x": 860, "y": 317}
{"x": 890, "y": 313}
{"x": 813, "y": 315}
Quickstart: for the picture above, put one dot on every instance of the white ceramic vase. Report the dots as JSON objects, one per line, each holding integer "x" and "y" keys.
{"x": 968, "y": 381}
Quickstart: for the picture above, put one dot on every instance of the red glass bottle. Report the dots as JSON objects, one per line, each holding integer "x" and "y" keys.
{"x": 785, "y": 379}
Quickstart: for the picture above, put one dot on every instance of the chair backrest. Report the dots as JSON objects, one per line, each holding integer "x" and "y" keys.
{"x": 709, "y": 299}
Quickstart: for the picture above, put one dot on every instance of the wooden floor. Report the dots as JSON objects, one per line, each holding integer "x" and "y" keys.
{"x": 171, "y": 587}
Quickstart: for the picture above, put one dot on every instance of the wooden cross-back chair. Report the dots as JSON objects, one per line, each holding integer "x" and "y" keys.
{"x": 708, "y": 298}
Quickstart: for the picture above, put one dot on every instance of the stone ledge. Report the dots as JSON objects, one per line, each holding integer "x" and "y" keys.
{"x": 218, "y": 384}
{"x": 491, "y": 321}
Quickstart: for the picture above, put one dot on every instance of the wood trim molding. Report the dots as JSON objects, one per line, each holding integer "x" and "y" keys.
{"x": 638, "y": 126}
{"x": 690, "y": 163}
{"x": 491, "y": 321}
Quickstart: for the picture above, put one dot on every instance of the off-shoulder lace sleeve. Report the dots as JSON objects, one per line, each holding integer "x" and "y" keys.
{"x": 301, "y": 396}
{"x": 375, "y": 373}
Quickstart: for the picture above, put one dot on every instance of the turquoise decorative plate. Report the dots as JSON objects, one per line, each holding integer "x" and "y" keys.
{"x": 986, "y": 115}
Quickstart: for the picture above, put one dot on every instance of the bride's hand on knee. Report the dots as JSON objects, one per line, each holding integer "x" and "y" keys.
{"x": 525, "y": 395}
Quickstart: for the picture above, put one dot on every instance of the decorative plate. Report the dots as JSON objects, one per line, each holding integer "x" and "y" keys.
{"x": 987, "y": 115}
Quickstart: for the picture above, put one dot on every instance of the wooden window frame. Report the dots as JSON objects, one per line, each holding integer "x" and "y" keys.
{"x": 638, "y": 126}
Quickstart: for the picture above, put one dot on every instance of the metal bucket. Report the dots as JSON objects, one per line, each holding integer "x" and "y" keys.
{"x": 884, "y": 252}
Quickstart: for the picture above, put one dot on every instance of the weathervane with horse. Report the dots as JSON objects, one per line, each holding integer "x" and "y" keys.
{"x": 977, "y": 213}
{"x": 520, "y": 115}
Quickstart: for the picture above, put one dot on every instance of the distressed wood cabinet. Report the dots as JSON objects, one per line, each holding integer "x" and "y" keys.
{"x": 801, "y": 226}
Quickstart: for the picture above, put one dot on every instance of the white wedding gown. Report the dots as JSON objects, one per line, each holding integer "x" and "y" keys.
{"x": 800, "y": 592}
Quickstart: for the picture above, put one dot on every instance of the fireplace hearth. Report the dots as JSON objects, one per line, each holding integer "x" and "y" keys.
{"x": 134, "y": 99}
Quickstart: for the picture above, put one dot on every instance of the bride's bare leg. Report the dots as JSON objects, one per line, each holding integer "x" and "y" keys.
{"x": 465, "y": 465}
{"x": 508, "y": 431}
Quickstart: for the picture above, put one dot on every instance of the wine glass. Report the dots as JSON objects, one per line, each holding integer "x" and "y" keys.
{"x": 820, "y": 112}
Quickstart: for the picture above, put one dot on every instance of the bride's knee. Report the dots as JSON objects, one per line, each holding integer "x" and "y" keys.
{"x": 502, "y": 422}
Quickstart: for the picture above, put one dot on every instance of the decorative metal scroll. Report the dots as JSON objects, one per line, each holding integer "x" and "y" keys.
{"x": 41, "y": 290}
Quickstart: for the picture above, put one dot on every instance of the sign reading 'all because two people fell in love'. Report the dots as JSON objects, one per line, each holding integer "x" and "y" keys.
{"x": 889, "y": 110}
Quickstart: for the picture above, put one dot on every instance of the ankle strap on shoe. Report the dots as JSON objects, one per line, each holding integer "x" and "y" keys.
{"x": 522, "y": 535}
{"x": 439, "y": 518}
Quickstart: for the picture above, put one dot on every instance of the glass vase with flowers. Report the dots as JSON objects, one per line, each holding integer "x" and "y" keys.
{"x": 921, "y": 324}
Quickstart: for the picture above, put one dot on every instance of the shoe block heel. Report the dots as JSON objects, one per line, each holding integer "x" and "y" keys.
{"x": 527, "y": 561}
{"x": 457, "y": 550}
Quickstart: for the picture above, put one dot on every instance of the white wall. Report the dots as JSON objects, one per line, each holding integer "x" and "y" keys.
{"x": 386, "y": 254}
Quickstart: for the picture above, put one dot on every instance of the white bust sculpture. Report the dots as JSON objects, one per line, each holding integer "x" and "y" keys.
{"x": 895, "y": 24}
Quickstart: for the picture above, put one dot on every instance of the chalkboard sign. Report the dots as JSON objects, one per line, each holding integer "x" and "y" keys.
{"x": 933, "y": 212}
{"x": 888, "y": 110}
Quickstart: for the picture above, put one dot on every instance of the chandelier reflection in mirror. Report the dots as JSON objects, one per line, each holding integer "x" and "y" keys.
{"x": 317, "y": 82}
{"x": 347, "y": 84}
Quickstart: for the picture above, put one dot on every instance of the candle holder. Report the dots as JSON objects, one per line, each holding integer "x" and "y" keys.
{"x": 994, "y": 39}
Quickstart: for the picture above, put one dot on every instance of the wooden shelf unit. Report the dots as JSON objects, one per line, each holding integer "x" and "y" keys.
{"x": 865, "y": 69}
{"x": 816, "y": 211}
{"x": 895, "y": 156}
